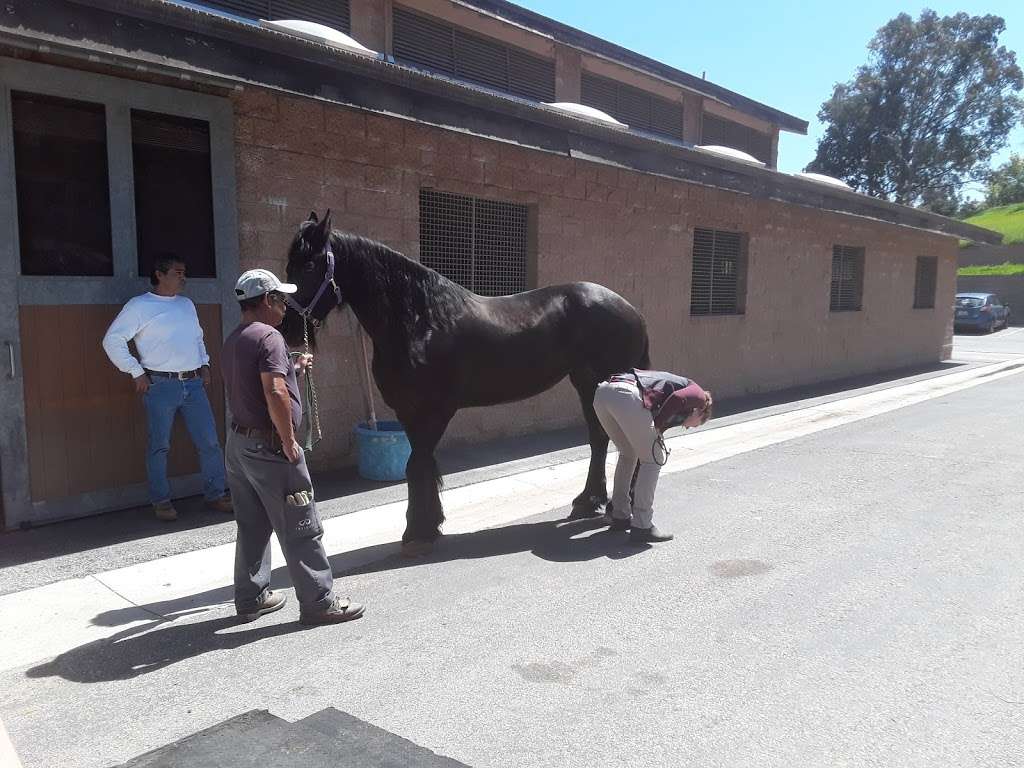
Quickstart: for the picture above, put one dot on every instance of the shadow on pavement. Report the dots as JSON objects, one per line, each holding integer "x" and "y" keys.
{"x": 138, "y": 650}
{"x": 56, "y": 539}
{"x": 146, "y": 648}
{"x": 560, "y": 541}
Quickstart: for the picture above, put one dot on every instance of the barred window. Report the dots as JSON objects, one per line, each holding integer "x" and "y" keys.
{"x": 634, "y": 107}
{"x": 480, "y": 244}
{"x": 847, "y": 278}
{"x": 726, "y": 133}
{"x": 433, "y": 44}
{"x": 173, "y": 191}
{"x": 719, "y": 285}
{"x": 332, "y": 13}
{"x": 62, "y": 183}
{"x": 924, "y": 282}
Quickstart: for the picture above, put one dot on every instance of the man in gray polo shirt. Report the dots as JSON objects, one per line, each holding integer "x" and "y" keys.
{"x": 266, "y": 467}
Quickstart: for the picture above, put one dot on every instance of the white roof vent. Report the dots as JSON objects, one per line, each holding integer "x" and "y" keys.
{"x": 732, "y": 154}
{"x": 823, "y": 179}
{"x": 318, "y": 33}
{"x": 587, "y": 113}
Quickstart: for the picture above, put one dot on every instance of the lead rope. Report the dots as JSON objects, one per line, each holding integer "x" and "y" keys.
{"x": 358, "y": 329}
{"x": 313, "y": 433}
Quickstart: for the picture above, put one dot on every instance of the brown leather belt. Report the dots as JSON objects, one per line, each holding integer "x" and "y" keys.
{"x": 264, "y": 434}
{"x": 180, "y": 376}
{"x": 627, "y": 378}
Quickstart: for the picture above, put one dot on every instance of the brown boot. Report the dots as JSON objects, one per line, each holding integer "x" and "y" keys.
{"x": 165, "y": 511}
{"x": 221, "y": 504}
{"x": 269, "y": 602}
{"x": 340, "y": 610}
{"x": 648, "y": 535}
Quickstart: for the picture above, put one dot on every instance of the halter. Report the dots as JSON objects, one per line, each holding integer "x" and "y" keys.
{"x": 307, "y": 311}
{"x": 315, "y": 434}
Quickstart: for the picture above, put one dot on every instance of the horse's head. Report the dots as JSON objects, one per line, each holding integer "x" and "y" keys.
{"x": 310, "y": 266}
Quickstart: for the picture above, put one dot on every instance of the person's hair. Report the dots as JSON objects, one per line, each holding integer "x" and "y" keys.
{"x": 708, "y": 408}
{"x": 253, "y": 303}
{"x": 162, "y": 263}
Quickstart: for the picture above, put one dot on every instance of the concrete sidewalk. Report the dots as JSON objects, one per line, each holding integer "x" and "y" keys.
{"x": 77, "y": 548}
{"x": 135, "y": 597}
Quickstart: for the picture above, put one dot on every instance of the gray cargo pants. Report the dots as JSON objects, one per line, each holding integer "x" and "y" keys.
{"x": 260, "y": 478}
{"x": 620, "y": 409}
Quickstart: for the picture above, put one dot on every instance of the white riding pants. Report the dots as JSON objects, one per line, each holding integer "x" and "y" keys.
{"x": 620, "y": 409}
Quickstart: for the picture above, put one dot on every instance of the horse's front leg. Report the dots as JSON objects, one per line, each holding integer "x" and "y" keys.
{"x": 424, "y": 515}
{"x": 591, "y": 502}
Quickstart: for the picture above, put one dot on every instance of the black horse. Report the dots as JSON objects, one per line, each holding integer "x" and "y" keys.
{"x": 438, "y": 347}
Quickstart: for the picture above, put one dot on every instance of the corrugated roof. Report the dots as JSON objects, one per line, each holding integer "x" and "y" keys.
{"x": 576, "y": 38}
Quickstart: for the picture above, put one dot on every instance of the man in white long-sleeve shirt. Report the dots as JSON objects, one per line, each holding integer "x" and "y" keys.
{"x": 171, "y": 374}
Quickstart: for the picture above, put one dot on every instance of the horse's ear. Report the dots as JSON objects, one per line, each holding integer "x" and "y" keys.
{"x": 312, "y": 217}
{"x": 317, "y": 237}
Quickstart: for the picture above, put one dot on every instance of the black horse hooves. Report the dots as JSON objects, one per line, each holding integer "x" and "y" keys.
{"x": 583, "y": 509}
{"x": 415, "y": 548}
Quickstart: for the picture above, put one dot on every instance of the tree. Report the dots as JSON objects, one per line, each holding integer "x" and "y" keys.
{"x": 1006, "y": 183}
{"x": 924, "y": 116}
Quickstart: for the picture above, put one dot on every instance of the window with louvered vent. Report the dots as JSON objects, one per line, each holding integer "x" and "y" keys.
{"x": 62, "y": 182}
{"x": 847, "y": 278}
{"x": 332, "y": 13}
{"x": 480, "y": 244}
{"x": 924, "y": 282}
{"x": 173, "y": 191}
{"x": 632, "y": 106}
{"x": 726, "y": 133}
{"x": 435, "y": 45}
{"x": 719, "y": 285}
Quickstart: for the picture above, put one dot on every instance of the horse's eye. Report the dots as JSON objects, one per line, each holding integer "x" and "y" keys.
{"x": 308, "y": 267}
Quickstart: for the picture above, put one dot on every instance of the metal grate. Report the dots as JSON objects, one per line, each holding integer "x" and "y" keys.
{"x": 634, "y": 107}
{"x": 170, "y": 132}
{"x": 479, "y": 244}
{"x": 173, "y": 191}
{"x": 332, "y": 13}
{"x": 726, "y": 133}
{"x": 62, "y": 186}
{"x": 847, "y": 278}
{"x": 719, "y": 284}
{"x": 432, "y": 44}
{"x": 924, "y": 282}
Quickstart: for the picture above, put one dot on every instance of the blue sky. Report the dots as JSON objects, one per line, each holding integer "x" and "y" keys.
{"x": 785, "y": 54}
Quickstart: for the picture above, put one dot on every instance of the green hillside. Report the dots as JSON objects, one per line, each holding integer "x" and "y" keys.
{"x": 1008, "y": 219}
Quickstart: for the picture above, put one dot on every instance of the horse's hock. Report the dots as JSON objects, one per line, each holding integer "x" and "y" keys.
{"x": 383, "y": 452}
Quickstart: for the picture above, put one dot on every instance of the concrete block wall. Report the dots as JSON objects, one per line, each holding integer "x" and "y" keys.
{"x": 629, "y": 231}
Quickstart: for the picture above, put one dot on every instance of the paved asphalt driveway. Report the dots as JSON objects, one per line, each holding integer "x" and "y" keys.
{"x": 852, "y": 596}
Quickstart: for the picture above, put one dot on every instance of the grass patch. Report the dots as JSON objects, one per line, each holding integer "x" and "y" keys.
{"x": 1006, "y": 268}
{"x": 1007, "y": 219}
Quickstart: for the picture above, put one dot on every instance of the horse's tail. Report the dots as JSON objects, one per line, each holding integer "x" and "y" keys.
{"x": 645, "y": 356}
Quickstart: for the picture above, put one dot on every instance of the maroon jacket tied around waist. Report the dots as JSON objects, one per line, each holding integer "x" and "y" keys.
{"x": 671, "y": 399}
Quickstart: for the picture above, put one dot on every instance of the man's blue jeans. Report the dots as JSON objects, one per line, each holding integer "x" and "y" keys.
{"x": 163, "y": 399}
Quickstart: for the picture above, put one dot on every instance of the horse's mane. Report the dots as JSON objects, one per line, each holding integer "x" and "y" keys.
{"x": 413, "y": 300}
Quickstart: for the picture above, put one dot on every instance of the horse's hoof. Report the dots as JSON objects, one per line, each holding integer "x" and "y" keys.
{"x": 586, "y": 512}
{"x": 413, "y": 549}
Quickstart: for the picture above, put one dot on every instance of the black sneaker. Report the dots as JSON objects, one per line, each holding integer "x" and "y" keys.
{"x": 648, "y": 535}
{"x": 340, "y": 610}
{"x": 619, "y": 524}
{"x": 269, "y": 602}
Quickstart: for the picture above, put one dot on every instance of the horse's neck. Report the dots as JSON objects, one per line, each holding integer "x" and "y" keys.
{"x": 366, "y": 297}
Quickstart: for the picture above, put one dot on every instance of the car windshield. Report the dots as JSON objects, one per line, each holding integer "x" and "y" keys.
{"x": 969, "y": 301}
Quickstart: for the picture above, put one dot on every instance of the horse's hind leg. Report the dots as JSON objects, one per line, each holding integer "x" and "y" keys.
{"x": 591, "y": 502}
{"x": 424, "y": 514}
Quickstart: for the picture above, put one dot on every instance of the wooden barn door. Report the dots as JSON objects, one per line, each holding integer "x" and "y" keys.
{"x": 99, "y": 177}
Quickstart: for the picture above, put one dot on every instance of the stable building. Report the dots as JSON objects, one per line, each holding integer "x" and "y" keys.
{"x": 495, "y": 145}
